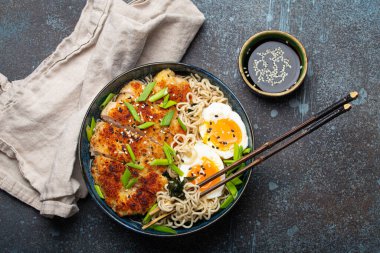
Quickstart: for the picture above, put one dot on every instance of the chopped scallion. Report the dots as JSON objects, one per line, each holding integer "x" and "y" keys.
{"x": 236, "y": 152}
{"x": 166, "y": 99}
{"x": 125, "y": 177}
{"x": 130, "y": 152}
{"x": 147, "y": 90}
{"x": 232, "y": 189}
{"x": 131, "y": 183}
{"x": 159, "y": 162}
{"x": 99, "y": 191}
{"x": 168, "y": 154}
{"x": 135, "y": 166}
{"x": 133, "y": 111}
{"x": 236, "y": 181}
{"x": 159, "y": 95}
{"x": 246, "y": 151}
{"x": 145, "y": 125}
{"x": 227, "y": 202}
{"x": 93, "y": 124}
{"x": 168, "y": 104}
{"x": 163, "y": 229}
{"x": 176, "y": 169}
{"x": 182, "y": 125}
{"x": 107, "y": 100}
{"x": 89, "y": 133}
{"x": 167, "y": 118}
{"x": 148, "y": 217}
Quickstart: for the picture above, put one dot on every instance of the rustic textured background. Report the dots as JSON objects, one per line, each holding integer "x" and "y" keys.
{"x": 322, "y": 194}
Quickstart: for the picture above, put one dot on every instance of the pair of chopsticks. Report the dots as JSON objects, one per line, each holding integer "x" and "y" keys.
{"x": 307, "y": 127}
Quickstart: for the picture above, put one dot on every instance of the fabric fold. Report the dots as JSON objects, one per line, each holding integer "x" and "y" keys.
{"x": 41, "y": 115}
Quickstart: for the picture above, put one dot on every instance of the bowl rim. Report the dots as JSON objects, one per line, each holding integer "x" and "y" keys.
{"x": 87, "y": 182}
{"x": 302, "y": 76}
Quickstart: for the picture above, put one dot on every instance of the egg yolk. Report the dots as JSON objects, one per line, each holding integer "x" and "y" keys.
{"x": 203, "y": 171}
{"x": 222, "y": 134}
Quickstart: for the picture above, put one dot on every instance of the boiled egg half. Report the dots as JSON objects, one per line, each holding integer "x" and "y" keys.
{"x": 222, "y": 128}
{"x": 202, "y": 163}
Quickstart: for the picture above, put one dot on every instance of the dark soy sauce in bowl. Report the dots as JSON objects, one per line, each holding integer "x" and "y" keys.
{"x": 274, "y": 66}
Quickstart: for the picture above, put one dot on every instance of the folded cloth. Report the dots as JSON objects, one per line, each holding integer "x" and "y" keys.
{"x": 40, "y": 116}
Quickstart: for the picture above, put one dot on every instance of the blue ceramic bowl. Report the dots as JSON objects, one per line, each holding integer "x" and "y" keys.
{"x": 115, "y": 86}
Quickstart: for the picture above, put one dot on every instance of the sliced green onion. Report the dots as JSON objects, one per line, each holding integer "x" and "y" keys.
{"x": 162, "y": 93}
{"x": 148, "y": 217}
{"x": 176, "y": 169}
{"x": 125, "y": 177}
{"x": 159, "y": 162}
{"x": 130, "y": 152}
{"x": 240, "y": 151}
{"x": 182, "y": 125}
{"x": 168, "y": 104}
{"x": 235, "y": 169}
{"x": 135, "y": 166}
{"x": 90, "y": 129}
{"x": 236, "y": 152}
{"x": 167, "y": 118}
{"x": 99, "y": 191}
{"x": 170, "y": 148}
{"x": 163, "y": 229}
{"x": 228, "y": 162}
{"x": 147, "y": 90}
{"x": 166, "y": 99}
{"x": 132, "y": 110}
{"x": 131, "y": 183}
{"x": 93, "y": 124}
{"x": 89, "y": 133}
{"x": 232, "y": 189}
{"x": 236, "y": 181}
{"x": 107, "y": 100}
{"x": 145, "y": 125}
{"x": 246, "y": 151}
{"x": 168, "y": 154}
{"x": 227, "y": 202}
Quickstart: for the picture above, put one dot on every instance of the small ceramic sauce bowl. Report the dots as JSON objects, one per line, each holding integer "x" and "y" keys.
{"x": 273, "y": 63}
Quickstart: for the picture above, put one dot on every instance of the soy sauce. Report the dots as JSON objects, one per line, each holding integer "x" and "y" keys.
{"x": 274, "y": 66}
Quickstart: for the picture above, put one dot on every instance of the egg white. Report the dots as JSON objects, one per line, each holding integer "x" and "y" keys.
{"x": 201, "y": 150}
{"x": 215, "y": 112}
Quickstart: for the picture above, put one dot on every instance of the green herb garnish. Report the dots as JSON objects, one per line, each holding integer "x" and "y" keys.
{"x": 163, "y": 229}
{"x": 99, "y": 191}
{"x": 131, "y": 183}
{"x": 130, "y": 152}
{"x": 135, "y": 166}
{"x": 133, "y": 111}
{"x": 145, "y": 125}
{"x": 125, "y": 177}
{"x": 182, "y": 125}
{"x": 159, "y": 162}
{"x": 167, "y": 118}
{"x": 106, "y": 101}
{"x": 147, "y": 90}
{"x": 159, "y": 95}
{"x": 227, "y": 202}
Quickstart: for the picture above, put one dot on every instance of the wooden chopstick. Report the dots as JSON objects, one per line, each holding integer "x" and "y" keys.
{"x": 350, "y": 97}
{"x": 310, "y": 125}
{"x": 311, "y": 128}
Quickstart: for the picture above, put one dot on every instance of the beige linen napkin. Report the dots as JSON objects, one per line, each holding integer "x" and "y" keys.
{"x": 40, "y": 116}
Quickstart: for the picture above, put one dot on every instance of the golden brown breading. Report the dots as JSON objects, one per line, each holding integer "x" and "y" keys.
{"x": 136, "y": 200}
{"x": 118, "y": 114}
{"x": 111, "y": 141}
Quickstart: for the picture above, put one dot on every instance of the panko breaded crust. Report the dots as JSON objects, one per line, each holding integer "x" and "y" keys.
{"x": 136, "y": 200}
{"x": 118, "y": 114}
{"x": 119, "y": 128}
{"x": 111, "y": 141}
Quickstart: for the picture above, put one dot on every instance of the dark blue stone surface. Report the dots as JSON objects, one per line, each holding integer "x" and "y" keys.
{"x": 322, "y": 194}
